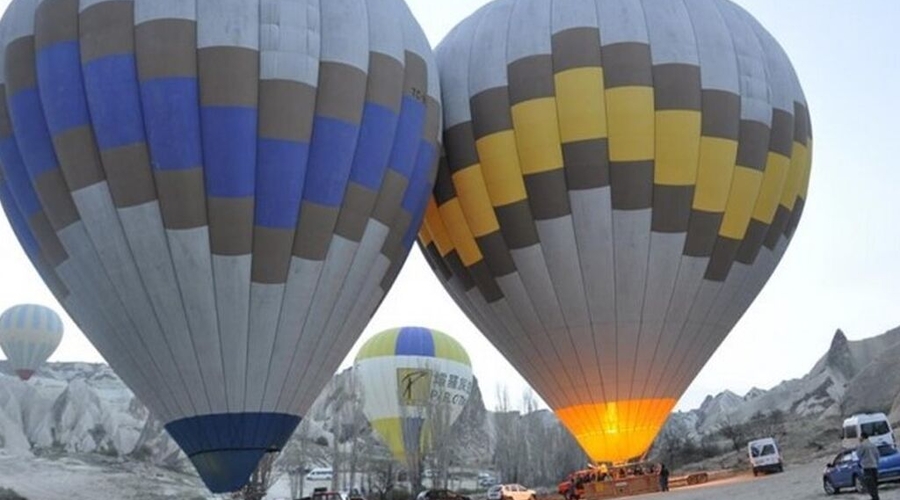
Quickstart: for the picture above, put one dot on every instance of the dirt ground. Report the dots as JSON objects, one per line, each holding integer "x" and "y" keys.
{"x": 801, "y": 482}
{"x": 91, "y": 477}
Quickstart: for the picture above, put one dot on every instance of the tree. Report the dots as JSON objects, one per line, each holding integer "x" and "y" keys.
{"x": 531, "y": 446}
{"x": 672, "y": 443}
{"x": 346, "y": 410}
{"x": 735, "y": 433}
{"x": 381, "y": 472}
{"x": 534, "y": 449}
{"x": 336, "y": 455}
{"x": 766, "y": 424}
{"x": 260, "y": 481}
{"x": 295, "y": 458}
{"x": 296, "y": 478}
{"x": 502, "y": 405}
{"x": 508, "y": 438}
{"x": 426, "y": 411}
{"x": 565, "y": 453}
{"x": 676, "y": 447}
{"x": 357, "y": 422}
{"x": 438, "y": 442}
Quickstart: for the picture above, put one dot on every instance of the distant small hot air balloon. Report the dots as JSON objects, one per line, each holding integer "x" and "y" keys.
{"x": 29, "y": 334}
{"x": 219, "y": 192}
{"x": 415, "y": 382}
{"x": 621, "y": 179}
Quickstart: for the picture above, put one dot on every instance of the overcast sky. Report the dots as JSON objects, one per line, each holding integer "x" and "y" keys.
{"x": 841, "y": 271}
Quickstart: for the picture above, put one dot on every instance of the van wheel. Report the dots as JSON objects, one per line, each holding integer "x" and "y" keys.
{"x": 755, "y": 472}
{"x": 858, "y": 485}
{"x": 780, "y": 467}
{"x": 829, "y": 488}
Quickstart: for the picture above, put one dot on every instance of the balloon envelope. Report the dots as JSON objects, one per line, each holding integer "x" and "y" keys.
{"x": 219, "y": 192}
{"x": 415, "y": 382}
{"x": 29, "y": 334}
{"x": 621, "y": 179}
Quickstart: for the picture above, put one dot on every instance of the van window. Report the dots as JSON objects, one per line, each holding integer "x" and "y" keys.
{"x": 875, "y": 428}
{"x": 887, "y": 449}
{"x": 761, "y": 450}
{"x": 850, "y": 432}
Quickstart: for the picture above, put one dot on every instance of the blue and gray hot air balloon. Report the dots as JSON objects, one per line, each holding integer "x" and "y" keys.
{"x": 219, "y": 192}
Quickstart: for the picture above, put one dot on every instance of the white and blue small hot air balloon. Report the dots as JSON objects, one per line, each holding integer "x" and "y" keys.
{"x": 414, "y": 381}
{"x": 29, "y": 333}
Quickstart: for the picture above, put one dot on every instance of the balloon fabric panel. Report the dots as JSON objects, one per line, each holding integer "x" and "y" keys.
{"x": 208, "y": 187}
{"x": 621, "y": 178}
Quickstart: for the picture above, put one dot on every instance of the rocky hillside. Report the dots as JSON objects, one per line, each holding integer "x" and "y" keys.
{"x": 70, "y": 407}
{"x": 852, "y": 377}
{"x": 85, "y": 408}
{"x": 80, "y": 408}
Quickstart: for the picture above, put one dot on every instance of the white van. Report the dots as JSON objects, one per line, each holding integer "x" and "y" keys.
{"x": 764, "y": 456}
{"x": 486, "y": 479}
{"x": 320, "y": 474}
{"x": 875, "y": 425}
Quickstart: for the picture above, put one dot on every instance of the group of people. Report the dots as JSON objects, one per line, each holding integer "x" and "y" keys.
{"x": 867, "y": 452}
{"x": 602, "y": 473}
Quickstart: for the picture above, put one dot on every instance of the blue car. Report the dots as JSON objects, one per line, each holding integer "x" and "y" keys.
{"x": 844, "y": 471}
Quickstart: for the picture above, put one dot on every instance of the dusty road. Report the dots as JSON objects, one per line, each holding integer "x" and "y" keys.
{"x": 801, "y": 482}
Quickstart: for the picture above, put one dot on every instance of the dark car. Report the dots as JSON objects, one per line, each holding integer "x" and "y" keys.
{"x": 844, "y": 471}
{"x": 441, "y": 495}
{"x": 323, "y": 494}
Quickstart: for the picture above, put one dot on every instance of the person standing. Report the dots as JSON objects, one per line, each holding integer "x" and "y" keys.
{"x": 868, "y": 456}
{"x": 572, "y": 493}
{"x": 663, "y": 478}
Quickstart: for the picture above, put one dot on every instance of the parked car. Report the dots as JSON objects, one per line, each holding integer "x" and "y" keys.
{"x": 324, "y": 494}
{"x": 320, "y": 474}
{"x": 486, "y": 479}
{"x": 510, "y": 492}
{"x": 764, "y": 456}
{"x": 441, "y": 495}
{"x": 486, "y": 482}
{"x": 844, "y": 471}
{"x": 351, "y": 494}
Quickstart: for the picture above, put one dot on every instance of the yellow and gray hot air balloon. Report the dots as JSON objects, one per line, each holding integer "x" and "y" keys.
{"x": 415, "y": 382}
{"x": 219, "y": 192}
{"x": 29, "y": 334}
{"x": 621, "y": 179}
